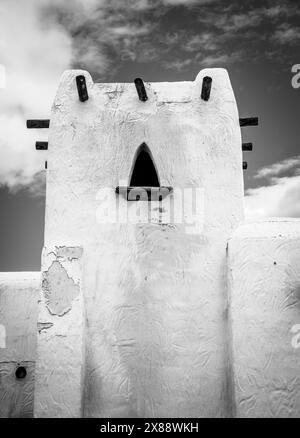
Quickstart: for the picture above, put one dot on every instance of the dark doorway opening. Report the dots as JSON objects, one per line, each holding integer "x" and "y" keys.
{"x": 144, "y": 173}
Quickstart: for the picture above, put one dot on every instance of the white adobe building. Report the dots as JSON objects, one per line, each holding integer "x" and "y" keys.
{"x": 157, "y": 318}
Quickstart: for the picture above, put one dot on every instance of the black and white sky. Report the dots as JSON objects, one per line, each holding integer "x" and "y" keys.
{"x": 258, "y": 42}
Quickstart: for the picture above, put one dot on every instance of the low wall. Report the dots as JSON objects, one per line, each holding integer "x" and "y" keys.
{"x": 264, "y": 288}
{"x": 19, "y": 293}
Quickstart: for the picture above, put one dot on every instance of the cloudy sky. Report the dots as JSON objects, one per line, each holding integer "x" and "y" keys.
{"x": 258, "y": 41}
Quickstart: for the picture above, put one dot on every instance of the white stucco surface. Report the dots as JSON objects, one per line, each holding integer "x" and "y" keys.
{"x": 19, "y": 293}
{"x": 155, "y": 296}
{"x": 264, "y": 284}
{"x": 61, "y": 324}
{"x": 158, "y": 319}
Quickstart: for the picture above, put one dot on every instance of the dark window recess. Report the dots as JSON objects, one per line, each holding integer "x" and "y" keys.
{"x": 144, "y": 182}
{"x": 144, "y": 173}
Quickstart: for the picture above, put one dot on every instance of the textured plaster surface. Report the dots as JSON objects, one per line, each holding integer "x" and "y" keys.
{"x": 16, "y": 395}
{"x": 152, "y": 320}
{"x": 154, "y": 293}
{"x": 60, "y": 350}
{"x": 59, "y": 289}
{"x": 19, "y": 293}
{"x": 264, "y": 283}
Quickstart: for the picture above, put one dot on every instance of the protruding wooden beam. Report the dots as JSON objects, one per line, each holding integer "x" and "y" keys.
{"x": 247, "y": 146}
{"x": 41, "y": 145}
{"x": 32, "y": 124}
{"x": 82, "y": 88}
{"x": 245, "y": 165}
{"x": 249, "y": 121}
{"x": 140, "y": 88}
{"x": 132, "y": 193}
{"x": 206, "y": 88}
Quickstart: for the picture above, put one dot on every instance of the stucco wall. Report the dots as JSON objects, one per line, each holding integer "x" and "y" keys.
{"x": 264, "y": 283}
{"x": 19, "y": 293}
{"x": 59, "y": 382}
{"x": 154, "y": 293}
{"x": 133, "y": 318}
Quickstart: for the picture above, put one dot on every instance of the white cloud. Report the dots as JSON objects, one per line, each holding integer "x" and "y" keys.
{"x": 230, "y": 20}
{"x": 178, "y": 65}
{"x": 279, "y": 168}
{"x": 129, "y": 30}
{"x": 201, "y": 41}
{"x": 276, "y": 11}
{"x": 219, "y": 59}
{"x": 281, "y": 194}
{"x": 281, "y": 199}
{"x": 287, "y": 34}
{"x": 186, "y": 2}
{"x": 34, "y": 58}
{"x": 236, "y": 22}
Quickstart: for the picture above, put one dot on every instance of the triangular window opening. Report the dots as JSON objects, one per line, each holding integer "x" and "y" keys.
{"x": 144, "y": 173}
